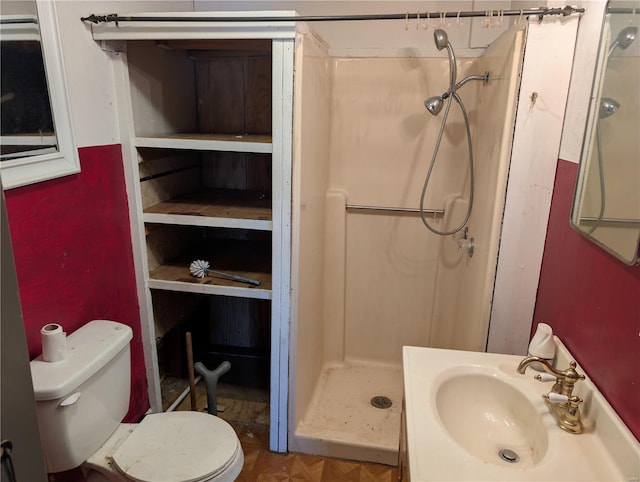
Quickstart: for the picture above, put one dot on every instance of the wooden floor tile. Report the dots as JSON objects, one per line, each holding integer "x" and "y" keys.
{"x": 264, "y": 466}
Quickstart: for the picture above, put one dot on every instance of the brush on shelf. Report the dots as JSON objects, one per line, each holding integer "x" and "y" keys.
{"x": 200, "y": 268}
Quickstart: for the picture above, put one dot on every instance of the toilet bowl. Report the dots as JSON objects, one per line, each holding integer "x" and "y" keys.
{"x": 171, "y": 446}
{"x": 81, "y": 401}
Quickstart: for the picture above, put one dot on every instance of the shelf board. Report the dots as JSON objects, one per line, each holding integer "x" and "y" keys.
{"x": 209, "y": 142}
{"x": 220, "y": 288}
{"x": 228, "y": 208}
{"x": 243, "y": 258}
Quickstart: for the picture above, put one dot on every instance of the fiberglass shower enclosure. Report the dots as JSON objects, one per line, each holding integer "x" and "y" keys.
{"x": 367, "y": 282}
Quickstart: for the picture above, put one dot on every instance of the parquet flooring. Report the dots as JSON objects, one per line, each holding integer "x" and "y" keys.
{"x": 261, "y": 465}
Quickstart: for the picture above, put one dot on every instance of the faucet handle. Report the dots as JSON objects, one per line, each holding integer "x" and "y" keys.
{"x": 546, "y": 377}
{"x": 553, "y": 397}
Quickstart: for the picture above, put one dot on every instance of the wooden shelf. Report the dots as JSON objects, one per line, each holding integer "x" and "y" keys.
{"x": 244, "y": 258}
{"x": 224, "y": 208}
{"x": 209, "y": 142}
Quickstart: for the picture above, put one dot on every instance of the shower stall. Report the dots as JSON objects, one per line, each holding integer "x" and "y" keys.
{"x": 368, "y": 277}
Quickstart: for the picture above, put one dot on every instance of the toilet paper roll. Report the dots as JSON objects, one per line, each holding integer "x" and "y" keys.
{"x": 54, "y": 343}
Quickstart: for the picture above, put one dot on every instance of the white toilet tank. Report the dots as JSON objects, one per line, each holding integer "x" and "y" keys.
{"x": 81, "y": 400}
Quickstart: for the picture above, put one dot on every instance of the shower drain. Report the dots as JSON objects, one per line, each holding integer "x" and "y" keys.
{"x": 380, "y": 401}
{"x": 509, "y": 456}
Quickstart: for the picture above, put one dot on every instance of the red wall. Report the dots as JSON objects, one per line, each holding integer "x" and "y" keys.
{"x": 592, "y": 302}
{"x": 73, "y": 255}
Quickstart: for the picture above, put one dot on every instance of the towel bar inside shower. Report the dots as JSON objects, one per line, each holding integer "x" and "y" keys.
{"x": 360, "y": 207}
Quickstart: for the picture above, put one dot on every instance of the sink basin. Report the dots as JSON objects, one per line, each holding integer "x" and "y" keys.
{"x": 489, "y": 418}
{"x": 469, "y": 416}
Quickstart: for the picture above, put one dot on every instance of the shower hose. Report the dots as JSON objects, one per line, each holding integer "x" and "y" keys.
{"x": 452, "y": 95}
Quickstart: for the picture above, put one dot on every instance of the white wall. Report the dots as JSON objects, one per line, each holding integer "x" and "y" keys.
{"x": 310, "y": 173}
{"x": 539, "y": 122}
{"x": 17, "y": 7}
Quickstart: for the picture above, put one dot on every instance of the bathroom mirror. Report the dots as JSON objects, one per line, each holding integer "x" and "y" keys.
{"x": 36, "y": 132}
{"x": 606, "y": 205}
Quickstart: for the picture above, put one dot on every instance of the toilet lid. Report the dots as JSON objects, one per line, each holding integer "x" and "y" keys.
{"x": 177, "y": 446}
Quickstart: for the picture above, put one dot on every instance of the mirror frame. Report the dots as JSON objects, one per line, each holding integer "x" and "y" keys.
{"x": 588, "y": 144}
{"x": 42, "y": 167}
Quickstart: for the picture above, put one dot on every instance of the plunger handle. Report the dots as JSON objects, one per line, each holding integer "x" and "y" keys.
{"x": 192, "y": 382}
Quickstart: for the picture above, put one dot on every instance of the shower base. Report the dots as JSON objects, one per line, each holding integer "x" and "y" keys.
{"x": 341, "y": 421}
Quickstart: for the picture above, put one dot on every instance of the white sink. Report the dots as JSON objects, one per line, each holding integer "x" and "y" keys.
{"x": 471, "y": 417}
{"x": 489, "y": 418}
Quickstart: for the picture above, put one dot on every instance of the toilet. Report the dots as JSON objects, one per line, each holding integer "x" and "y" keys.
{"x": 81, "y": 401}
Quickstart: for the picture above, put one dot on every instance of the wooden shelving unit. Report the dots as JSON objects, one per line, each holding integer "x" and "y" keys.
{"x": 218, "y": 175}
{"x": 208, "y": 158}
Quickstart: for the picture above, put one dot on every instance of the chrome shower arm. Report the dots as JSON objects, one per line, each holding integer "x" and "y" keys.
{"x": 484, "y": 78}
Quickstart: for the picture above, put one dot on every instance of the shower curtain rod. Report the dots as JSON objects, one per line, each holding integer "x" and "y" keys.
{"x": 540, "y": 12}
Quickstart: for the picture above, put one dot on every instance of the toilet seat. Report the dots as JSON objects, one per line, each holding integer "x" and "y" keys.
{"x": 178, "y": 446}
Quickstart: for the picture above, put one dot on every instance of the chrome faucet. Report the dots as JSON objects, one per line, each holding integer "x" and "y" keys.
{"x": 563, "y": 405}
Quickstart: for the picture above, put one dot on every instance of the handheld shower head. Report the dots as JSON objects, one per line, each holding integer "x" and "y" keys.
{"x": 441, "y": 39}
{"x": 625, "y": 38}
{"x": 608, "y": 107}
